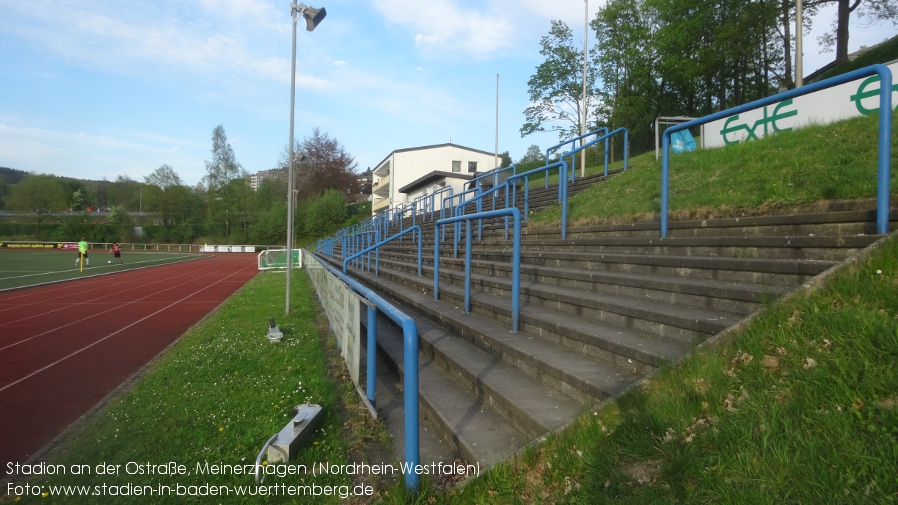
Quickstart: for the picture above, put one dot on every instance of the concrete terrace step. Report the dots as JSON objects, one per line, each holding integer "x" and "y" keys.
{"x": 587, "y": 379}
{"x": 613, "y": 343}
{"x": 459, "y": 417}
{"x": 729, "y": 296}
{"x": 726, "y": 269}
{"x": 600, "y": 311}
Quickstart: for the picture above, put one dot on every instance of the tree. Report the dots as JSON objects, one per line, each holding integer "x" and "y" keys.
{"x": 870, "y": 11}
{"x": 224, "y": 167}
{"x": 325, "y": 214}
{"x": 506, "y": 160}
{"x": 327, "y": 165}
{"x": 533, "y": 155}
{"x": 226, "y": 184}
{"x": 165, "y": 194}
{"x": 4, "y": 191}
{"x": 556, "y": 89}
{"x": 40, "y": 194}
{"x": 125, "y": 193}
{"x": 628, "y": 68}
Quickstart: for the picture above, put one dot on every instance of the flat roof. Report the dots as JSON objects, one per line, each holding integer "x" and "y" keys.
{"x": 433, "y": 176}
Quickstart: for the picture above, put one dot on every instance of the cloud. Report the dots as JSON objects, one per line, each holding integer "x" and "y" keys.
{"x": 445, "y": 26}
{"x": 39, "y": 149}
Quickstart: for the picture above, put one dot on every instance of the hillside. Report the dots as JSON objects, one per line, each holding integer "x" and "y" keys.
{"x": 782, "y": 172}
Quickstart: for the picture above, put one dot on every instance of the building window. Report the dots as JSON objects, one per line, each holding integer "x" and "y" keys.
{"x": 472, "y": 167}
{"x": 456, "y": 166}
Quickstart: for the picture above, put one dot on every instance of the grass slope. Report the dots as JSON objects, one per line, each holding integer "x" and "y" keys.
{"x": 776, "y": 173}
{"x": 800, "y": 408}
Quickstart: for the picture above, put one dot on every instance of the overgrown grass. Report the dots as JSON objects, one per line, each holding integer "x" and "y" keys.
{"x": 215, "y": 397}
{"x": 779, "y": 171}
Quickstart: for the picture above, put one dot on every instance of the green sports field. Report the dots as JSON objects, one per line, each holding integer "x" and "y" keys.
{"x": 21, "y": 268}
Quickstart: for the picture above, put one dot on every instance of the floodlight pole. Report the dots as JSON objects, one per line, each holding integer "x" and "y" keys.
{"x": 585, "y": 59}
{"x": 312, "y": 17}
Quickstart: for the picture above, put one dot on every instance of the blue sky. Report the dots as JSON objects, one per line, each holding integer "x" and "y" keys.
{"x": 96, "y": 89}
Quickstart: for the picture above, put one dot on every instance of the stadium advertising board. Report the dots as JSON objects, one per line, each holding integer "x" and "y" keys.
{"x": 852, "y": 99}
{"x": 39, "y": 245}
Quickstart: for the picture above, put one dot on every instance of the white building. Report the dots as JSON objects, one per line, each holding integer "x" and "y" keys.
{"x": 408, "y": 173}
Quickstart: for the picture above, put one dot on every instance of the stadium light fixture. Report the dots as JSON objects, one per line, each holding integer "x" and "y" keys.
{"x": 312, "y": 17}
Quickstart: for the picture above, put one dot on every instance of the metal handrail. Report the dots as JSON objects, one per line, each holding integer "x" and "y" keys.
{"x": 562, "y": 190}
{"x": 410, "y": 364}
{"x": 515, "y": 262}
{"x": 376, "y": 247}
{"x": 574, "y": 161}
{"x": 599, "y": 139}
{"x": 885, "y": 136}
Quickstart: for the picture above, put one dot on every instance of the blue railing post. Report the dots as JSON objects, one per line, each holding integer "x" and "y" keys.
{"x": 410, "y": 372}
{"x": 516, "y": 258}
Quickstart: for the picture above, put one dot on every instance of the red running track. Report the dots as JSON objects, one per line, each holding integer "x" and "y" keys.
{"x": 64, "y": 347}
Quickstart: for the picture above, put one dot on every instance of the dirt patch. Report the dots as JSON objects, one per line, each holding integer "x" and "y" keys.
{"x": 642, "y": 472}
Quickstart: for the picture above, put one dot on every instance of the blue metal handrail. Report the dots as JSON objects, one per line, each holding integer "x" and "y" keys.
{"x": 562, "y": 190}
{"x": 410, "y": 363}
{"x": 515, "y": 262}
{"x": 574, "y": 161}
{"x": 376, "y": 248}
{"x": 885, "y": 136}
{"x": 599, "y": 139}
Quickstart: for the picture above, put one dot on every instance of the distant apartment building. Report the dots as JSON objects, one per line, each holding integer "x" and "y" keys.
{"x": 407, "y": 173}
{"x": 255, "y": 180}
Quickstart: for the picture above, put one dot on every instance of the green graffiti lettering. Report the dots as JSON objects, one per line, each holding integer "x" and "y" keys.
{"x": 765, "y": 120}
{"x": 862, "y": 93}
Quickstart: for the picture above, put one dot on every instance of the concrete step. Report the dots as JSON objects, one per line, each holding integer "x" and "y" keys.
{"x": 494, "y": 276}
{"x": 601, "y": 310}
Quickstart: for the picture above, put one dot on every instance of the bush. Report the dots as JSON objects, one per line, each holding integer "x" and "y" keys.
{"x": 326, "y": 213}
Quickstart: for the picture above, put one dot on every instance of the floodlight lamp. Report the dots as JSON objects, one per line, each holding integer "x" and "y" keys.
{"x": 312, "y": 16}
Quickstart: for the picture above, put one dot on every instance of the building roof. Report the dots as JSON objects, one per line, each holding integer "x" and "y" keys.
{"x": 431, "y": 177}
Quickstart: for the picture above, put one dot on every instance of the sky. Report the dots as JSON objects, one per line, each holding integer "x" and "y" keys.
{"x": 97, "y": 89}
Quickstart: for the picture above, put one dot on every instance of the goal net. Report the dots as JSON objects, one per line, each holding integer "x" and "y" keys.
{"x": 276, "y": 259}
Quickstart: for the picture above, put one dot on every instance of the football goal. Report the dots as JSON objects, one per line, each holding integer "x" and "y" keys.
{"x": 276, "y": 259}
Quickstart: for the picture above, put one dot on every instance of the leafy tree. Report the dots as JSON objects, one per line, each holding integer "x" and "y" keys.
{"x": 226, "y": 184}
{"x": 628, "y": 67}
{"x": 270, "y": 193}
{"x": 271, "y": 226}
{"x": 165, "y": 194}
{"x": 325, "y": 213}
{"x": 79, "y": 195}
{"x": 327, "y": 165}
{"x": 506, "y": 160}
{"x": 126, "y": 193}
{"x": 4, "y": 191}
{"x": 556, "y": 89}
{"x": 534, "y": 154}
{"x": 40, "y": 194}
{"x": 224, "y": 167}
{"x": 869, "y": 11}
